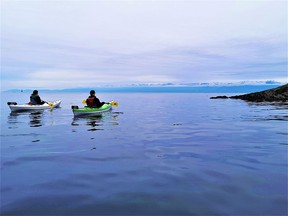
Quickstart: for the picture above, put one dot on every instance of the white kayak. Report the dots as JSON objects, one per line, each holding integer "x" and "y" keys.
{"x": 27, "y": 107}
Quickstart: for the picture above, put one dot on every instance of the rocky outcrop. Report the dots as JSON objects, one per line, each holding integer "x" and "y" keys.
{"x": 271, "y": 95}
{"x": 220, "y": 97}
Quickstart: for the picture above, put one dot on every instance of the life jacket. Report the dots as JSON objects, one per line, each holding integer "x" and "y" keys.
{"x": 90, "y": 102}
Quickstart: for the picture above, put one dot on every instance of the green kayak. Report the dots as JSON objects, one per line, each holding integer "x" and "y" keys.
{"x": 87, "y": 111}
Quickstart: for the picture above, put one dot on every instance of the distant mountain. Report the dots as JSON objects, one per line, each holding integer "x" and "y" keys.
{"x": 240, "y": 83}
{"x": 214, "y": 87}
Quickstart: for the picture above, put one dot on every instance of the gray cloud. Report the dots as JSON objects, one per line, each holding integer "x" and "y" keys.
{"x": 121, "y": 41}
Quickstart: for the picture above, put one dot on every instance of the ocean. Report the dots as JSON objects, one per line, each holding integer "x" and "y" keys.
{"x": 154, "y": 154}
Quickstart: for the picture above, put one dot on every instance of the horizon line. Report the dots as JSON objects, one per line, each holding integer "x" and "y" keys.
{"x": 233, "y": 88}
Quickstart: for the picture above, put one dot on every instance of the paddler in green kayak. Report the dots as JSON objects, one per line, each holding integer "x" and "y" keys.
{"x": 92, "y": 101}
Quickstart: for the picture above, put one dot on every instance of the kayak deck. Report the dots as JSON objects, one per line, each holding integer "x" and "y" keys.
{"x": 88, "y": 111}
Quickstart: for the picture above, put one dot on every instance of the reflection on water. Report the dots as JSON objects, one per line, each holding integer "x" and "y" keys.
{"x": 267, "y": 111}
{"x": 179, "y": 154}
{"x": 36, "y": 117}
{"x": 97, "y": 122}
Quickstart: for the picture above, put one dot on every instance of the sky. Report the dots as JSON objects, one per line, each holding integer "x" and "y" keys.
{"x": 58, "y": 44}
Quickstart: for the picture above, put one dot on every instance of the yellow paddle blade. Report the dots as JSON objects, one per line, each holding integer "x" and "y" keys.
{"x": 84, "y": 102}
{"x": 114, "y": 103}
{"x": 51, "y": 105}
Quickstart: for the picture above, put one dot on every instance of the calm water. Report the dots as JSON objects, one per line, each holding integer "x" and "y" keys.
{"x": 156, "y": 154}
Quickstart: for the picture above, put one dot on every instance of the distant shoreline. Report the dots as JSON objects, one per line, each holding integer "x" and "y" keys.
{"x": 163, "y": 89}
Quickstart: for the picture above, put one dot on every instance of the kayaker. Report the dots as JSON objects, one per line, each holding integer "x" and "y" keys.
{"x": 93, "y": 101}
{"x": 35, "y": 98}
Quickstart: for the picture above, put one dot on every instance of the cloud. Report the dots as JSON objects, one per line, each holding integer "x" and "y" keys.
{"x": 61, "y": 79}
{"x": 145, "y": 24}
{"x": 59, "y": 44}
{"x": 68, "y": 67}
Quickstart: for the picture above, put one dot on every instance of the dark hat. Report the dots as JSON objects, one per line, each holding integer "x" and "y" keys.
{"x": 92, "y": 92}
{"x": 35, "y": 92}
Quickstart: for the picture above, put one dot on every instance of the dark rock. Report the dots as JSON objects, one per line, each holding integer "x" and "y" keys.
{"x": 275, "y": 94}
{"x": 219, "y": 97}
{"x": 279, "y": 94}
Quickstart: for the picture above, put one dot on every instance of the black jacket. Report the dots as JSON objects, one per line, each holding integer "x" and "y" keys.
{"x": 35, "y": 99}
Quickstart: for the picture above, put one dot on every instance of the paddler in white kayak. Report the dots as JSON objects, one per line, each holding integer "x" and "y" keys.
{"x": 35, "y": 104}
{"x": 35, "y": 99}
{"x": 92, "y": 101}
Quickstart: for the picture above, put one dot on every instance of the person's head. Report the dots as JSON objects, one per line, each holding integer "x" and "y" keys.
{"x": 92, "y": 92}
{"x": 35, "y": 92}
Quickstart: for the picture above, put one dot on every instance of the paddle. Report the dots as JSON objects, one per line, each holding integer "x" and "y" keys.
{"x": 50, "y": 104}
{"x": 112, "y": 103}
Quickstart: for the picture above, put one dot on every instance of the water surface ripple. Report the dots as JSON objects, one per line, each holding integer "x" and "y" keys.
{"x": 156, "y": 154}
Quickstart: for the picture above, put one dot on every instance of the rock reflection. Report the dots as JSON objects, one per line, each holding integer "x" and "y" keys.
{"x": 280, "y": 105}
{"x": 269, "y": 111}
